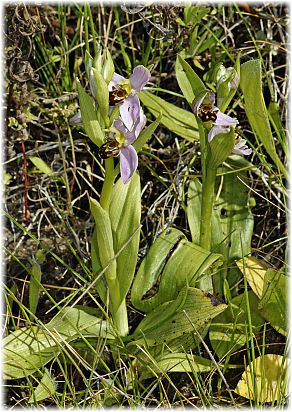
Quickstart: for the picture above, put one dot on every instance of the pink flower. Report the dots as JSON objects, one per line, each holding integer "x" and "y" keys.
{"x": 125, "y": 92}
{"x": 125, "y": 138}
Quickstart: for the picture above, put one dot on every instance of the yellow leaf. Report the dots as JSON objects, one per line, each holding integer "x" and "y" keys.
{"x": 254, "y": 271}
{"x": 265, "y": 379}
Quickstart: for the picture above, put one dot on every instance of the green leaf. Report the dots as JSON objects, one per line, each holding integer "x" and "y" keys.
{"x": 236, "y": 219}
{"x": 146, "y": 134}
{"x": 189, "y": 82}
{"x": 229, "y": 331}
{"x": 177, "y": 120}
{"x": 175, "y": 362}
{"x": 46, "y": 388}
{"x": 251, "y": 85}
{"x": 221, "y": 147}
{"x": 158, "y": 279}
{"x": 28, "y": 349}
{"x": 191, "y": 310}
{"x": 149, "y": 272}
{"x": 102, "y": 96}
{"x": 41, "y": 165}
{"x": 125, "y": 215}
{"x": 89, "y": 117}
{"x": 103, "y": 244}
{"x": 274, "y": 302}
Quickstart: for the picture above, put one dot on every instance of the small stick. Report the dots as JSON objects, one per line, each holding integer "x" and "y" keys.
{"x": 25, "y": 184}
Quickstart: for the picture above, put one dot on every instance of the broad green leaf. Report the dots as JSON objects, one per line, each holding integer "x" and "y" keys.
{"x": 28, "y": 349}
{"x": 191, "y": 311}
{"x": 256, "y": 111}
{"x": 89, "y": 117}
{"x": 236, "y": 219}
{"x": 189, "y": 82}
{"x": 254, "y": 270}
{"x": 265, "y": 379}
{"x": 274, "y": 301}
{"x": 100, "y": 284}
{"x": 221, "y": 147}
{"x": 171, "y": 263}
{"x": 176, "y": 362}
{"x": 125, "y": 215}
{"x": 146, "y": 134}
{"x": 46, "y": 388}
{"x": 104, "y": 239}
{"x": 151, "y": 267}
{"x": 41, "y": 165}
{"x": 179, "y": 121}
{"x": 229, "y": 331}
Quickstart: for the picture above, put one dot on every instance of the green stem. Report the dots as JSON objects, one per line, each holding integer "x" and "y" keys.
{"x": 118, "y": 310}
{"x": 89, "y": 15}
{"x": 208, "y": 282}
{"x": 118, "y": 307}
{"x": 203, "y": 145}
{"x": 109, "y": 180}
{"x": 207, "y": 209}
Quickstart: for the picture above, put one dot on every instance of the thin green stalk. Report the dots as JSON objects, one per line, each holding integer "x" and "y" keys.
{"x": 127, "y": 61}
{"x": 86, "y": 30}
{"x": 89, "y": 15}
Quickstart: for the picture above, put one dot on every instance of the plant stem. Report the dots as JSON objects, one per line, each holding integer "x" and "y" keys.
{"x": 109, "y": 179}
{"x": 208, "y": 183}
{"x": 207, "y": 208}
{"x": 118, "y": 310}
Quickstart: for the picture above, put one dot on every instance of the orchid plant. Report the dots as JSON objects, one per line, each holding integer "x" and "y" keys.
{"x": 114, "y": 120}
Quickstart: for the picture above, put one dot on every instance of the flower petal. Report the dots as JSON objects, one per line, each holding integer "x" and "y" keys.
{"x": 128, "y": 162}
{"x": 225, "y": 120}
{"x": 114, "y": 81}
{"x": 139, "y": 78}
{"x": 217, "y": 130}
{"x": 139, "y": 124}
{"x": 129, "y": 111}
{"x": 241, "y": 148}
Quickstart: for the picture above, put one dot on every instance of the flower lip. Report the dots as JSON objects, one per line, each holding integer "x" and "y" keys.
{"x": 241, "y": 147}
{"x": 128, "y": 162}
{"x": 205, "y": 98}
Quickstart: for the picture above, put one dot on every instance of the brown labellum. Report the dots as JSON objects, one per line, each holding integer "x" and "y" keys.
{"x": 206, "y": 113}
{"x": 117, "y": 96}
{"x": 109, "y": 149}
